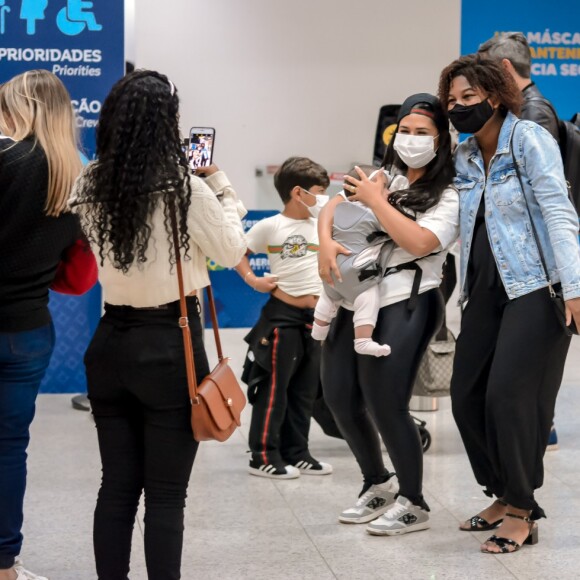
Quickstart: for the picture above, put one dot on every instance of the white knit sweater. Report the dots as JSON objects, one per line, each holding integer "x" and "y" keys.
{"x": 215, "y": 232}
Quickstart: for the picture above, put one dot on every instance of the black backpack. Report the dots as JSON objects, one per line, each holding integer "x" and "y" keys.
{"x": 569, "y": 141}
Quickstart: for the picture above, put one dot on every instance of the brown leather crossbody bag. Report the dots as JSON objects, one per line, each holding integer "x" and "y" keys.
{"x": 217, "y": 402}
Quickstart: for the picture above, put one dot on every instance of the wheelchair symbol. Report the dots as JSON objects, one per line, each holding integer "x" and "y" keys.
{"x": 75, "y": 17}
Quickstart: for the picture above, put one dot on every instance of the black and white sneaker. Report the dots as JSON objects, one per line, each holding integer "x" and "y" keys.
{"x": 273, "y": 471}
{"x": 371, "y": 504}
{"x": 401, "y": 518}
{"x": 312, "y": 467}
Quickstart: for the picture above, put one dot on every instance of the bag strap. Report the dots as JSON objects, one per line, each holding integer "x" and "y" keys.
{"x": 411, "y": 265}
{"x": 183, "y": 319}
{"x": 534, "y": 231}
{"x": 182, "y": 302}
{"x": 214, "y": 322}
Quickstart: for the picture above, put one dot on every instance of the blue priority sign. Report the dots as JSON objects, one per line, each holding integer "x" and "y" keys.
{"x": 79, "y": 41}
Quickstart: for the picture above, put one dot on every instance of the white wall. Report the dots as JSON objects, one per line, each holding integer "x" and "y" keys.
{"x": 294, "y": 77}
{"x": 130, "y": 47}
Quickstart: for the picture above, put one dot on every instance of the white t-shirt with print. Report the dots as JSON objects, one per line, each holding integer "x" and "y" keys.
{"x": 292, "y": 248}
{"x": 443, "y": 221}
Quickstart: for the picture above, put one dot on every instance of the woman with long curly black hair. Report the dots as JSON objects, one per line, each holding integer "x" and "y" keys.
{"x": 135, "y": 364}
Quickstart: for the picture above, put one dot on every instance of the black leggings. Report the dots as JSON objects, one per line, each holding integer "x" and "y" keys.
{"x": 364, "y": 391}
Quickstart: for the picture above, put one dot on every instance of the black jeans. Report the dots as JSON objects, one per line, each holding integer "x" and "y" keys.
{"x": 366, "y": 393}
{"x": 138, "y": 390}
{"x": 508, "y": 368}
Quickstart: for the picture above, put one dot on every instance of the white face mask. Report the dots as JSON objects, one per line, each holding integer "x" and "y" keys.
{"x": 321, "y": 201}
{"x": 415, "y": 151}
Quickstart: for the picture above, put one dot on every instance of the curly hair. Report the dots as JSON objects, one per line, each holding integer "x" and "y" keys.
{"x": 140, "y": 165}
{"x": 487, "y": 75}
{"x": 427, "y": 191}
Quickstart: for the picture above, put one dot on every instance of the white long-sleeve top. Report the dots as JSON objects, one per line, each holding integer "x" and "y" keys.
{"x": 215, "y": 231}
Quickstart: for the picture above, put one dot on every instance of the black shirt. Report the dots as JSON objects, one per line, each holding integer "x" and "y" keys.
{"x": 482, "y": 274}
{"x": 31, "y": 243}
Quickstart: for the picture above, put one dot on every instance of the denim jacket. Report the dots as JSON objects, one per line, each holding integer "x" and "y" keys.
{"x": 506, "y": 216}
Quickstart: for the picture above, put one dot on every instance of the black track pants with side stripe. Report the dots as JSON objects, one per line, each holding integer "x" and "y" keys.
{"x": 283, "y": 407}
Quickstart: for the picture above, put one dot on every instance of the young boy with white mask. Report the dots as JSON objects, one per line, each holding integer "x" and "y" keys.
{"x": 282, "y": 368}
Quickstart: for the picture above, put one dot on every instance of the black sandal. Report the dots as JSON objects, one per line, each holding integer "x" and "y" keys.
{"x": 506, "y": 543}
{"x": 479, "y": 524}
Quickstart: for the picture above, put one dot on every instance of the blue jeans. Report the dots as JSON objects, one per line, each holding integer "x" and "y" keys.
{"x": 24, "y": 357}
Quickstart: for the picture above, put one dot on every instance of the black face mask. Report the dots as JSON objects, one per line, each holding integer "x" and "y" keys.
{"x": 471, "y": 119}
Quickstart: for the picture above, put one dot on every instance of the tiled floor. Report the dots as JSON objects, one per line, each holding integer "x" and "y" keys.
{"x": 242, "y": 527}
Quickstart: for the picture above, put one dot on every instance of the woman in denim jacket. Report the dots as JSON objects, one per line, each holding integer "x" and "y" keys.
{"x": 512, "y": 347}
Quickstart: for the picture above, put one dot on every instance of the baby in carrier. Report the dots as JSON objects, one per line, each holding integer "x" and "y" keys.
{"x": 357, "y": 228}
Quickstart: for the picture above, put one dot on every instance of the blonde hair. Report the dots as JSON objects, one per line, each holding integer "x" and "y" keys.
{"x": 37, "y": 104}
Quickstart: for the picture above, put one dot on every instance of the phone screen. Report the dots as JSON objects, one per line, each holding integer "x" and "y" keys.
{"x": 200, "y": 151}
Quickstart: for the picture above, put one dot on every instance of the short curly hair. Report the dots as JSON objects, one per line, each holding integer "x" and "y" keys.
{"x": 486, "y": 75}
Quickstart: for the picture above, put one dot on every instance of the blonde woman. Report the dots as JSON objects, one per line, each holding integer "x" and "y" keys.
{"x": 38, "y": 165}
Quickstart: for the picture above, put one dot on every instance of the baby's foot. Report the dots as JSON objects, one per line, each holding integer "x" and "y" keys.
{"x": 369, "y": 347}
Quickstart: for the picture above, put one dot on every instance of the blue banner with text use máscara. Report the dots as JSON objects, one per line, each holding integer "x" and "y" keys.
{"x": 553, "y": 33}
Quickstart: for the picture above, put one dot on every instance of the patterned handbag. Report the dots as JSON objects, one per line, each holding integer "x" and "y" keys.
{"x": 434, "y": 375}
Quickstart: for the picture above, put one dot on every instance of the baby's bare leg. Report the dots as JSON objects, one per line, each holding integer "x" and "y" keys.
{"x": 364, "y": 331}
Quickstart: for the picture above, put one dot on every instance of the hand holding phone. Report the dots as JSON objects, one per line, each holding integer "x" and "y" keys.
{"x": 200, "y": 152}
{"x": 207, "y": 171}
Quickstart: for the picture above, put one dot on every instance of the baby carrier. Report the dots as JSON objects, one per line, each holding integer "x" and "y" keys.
{"x": 358, "y": 230}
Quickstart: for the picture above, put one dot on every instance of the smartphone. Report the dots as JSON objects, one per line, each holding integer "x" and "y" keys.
{"x": 200, "y": 150}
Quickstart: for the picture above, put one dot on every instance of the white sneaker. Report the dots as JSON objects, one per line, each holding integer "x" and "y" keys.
{"x": 401, "y": 518}
{"x": 23, "y": 574}
{"x": 374, "y": 502}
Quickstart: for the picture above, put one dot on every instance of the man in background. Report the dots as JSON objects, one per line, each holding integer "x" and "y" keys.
{"x": 513, "y": 51}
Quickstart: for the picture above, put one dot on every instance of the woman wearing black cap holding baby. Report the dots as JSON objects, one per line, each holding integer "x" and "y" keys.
{"x": 367, "y": 393}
